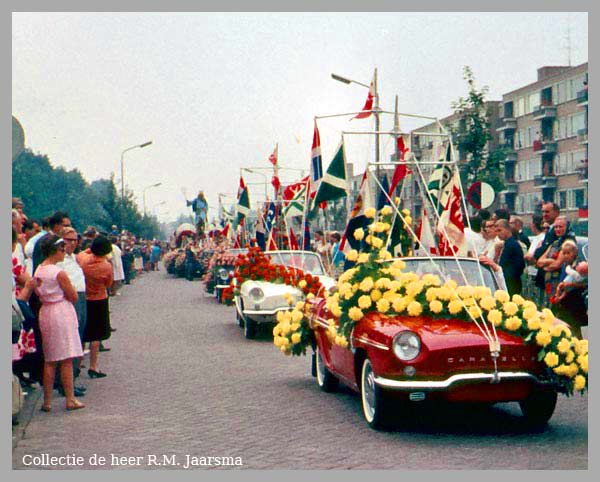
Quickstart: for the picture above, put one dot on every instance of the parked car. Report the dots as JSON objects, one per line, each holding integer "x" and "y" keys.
{"x": 427, "y": 358}
{"x": 260, "y": 301}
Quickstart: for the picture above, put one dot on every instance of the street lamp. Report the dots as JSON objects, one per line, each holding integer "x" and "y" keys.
{"x": 141, "y": 146}
{"x": 144, "y": 194}
{"x": 254, "y": 171}
{"x": 375, "y": 109}
{"x": 162, "y": 203}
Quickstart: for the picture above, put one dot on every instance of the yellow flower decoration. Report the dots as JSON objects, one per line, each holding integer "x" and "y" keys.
{"x": 382, "y": 283}
{"x": 559, "y": 330}
{"x": 529, "y": 313}
{"x": 363, "y": 258}
{"x": 399, "y": 304}
{"x": 300, "y": 305}
{"x": 355, "y": 313}
{"x": 407, "y": 220}
{"x": 431, "y": 294}
{"x": 570, "y": 356}
{"x": 510, "y": 308}
{"x": 366, "y": 284}
{"x": 295, "y": 326}
{"x": 502, "y": 296}
{"x": 579, "y": 383}
{"x": 385, "y": 255}
{"x": 414, "y": 288}
{"x": 386, "y": 210}
{"x": 297, "y": 316}
{"x": 405, "y": 212}
{"x": 488, "y": 303}
{"x": 564, "y": 346}
{"x": 359, "y": 233}
{"x": 399, "y": 264}
{"x": 436, "y": 306}
{"x": 376, "y": 295}
{"x": 364, "y": 302}
{"x": 431, "y": 280}
{"x": 582, "y": 361}
{"x": 443, "y": 293}
{"x": 465, "y": 291}
{"x": 336, "y": 311}
{"x": 534, "y": 324}
{"x": 543, "y": 338}
{"x": 352, "y": 255}
{"x": 455, "y": 307}
{"x": 529, "y": 304}
{"x": 547, "y": 315}
{"x": 518, "y": 299}
{"x": 513, "y": 323}
{"x": 296, "y": 338}
{"x": 302, "y": 284}
{"x": 390, "y": 295}
{"x": 383, "y": 305}
{"x": 414, "y": 308}
{"x": 276, "y": 332}
{"x": 495, "y": 317}
{"x": 451, "y": 284}
{"x": 475, "y": 311}
{"x": 377, "y": 242}
{"x": 551, "y": 359}
{"x": 341, "y": 341}
{"x": 581, "y": 347}
{"x": 370, "y": 213}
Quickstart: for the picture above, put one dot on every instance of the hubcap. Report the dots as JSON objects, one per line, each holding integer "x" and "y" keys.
{"x": 368, "y": 391}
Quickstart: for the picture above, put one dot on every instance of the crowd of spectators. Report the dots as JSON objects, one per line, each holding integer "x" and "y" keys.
{"x": 61, "y": 284}
{"x": 546, "y": 267}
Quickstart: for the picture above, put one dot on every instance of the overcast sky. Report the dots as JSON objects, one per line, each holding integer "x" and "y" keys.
{"x": 215, "y": 92}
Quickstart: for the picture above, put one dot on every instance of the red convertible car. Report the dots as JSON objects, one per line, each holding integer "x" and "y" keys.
{"x": 423, "y": 358}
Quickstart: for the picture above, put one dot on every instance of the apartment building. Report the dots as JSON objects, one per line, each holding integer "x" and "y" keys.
{"x": 544, "y": 129}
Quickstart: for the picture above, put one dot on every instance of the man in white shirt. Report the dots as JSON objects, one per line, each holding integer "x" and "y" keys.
{"x": 475, "y": 241}
{"x": 117, "y": 264}
{"x": 530, "y": 290}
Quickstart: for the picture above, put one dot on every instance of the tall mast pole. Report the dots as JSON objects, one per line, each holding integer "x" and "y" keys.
{"x": 376, "y": 112}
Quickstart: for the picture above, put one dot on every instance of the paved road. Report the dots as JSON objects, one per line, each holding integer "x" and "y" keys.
{"x": 183, "y": 381}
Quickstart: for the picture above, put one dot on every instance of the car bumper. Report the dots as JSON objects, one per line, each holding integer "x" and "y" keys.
{"x": 264, "y": 316}
{"x": 455, "y": 380}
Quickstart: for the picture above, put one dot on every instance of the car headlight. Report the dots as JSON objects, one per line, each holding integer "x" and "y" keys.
{"x": 256, "y": 294}
{"x": 223, "y": 274}
{"x": 406, "y": 345}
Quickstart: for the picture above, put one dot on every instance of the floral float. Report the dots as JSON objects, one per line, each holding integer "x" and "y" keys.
{"x": 379, "y": 284}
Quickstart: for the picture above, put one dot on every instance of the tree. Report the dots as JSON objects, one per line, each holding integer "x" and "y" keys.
{"x": 473, "y": 136}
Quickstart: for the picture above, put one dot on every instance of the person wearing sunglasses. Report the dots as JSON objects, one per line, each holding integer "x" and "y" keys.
{"x": 58, "y": 322}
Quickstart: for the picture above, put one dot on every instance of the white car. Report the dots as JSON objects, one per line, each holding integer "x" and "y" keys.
{"x": 259, "y": 301}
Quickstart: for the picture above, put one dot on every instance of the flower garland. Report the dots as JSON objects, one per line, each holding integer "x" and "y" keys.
{"x": 220, "y": 257}
{"x": 376, "y": 284}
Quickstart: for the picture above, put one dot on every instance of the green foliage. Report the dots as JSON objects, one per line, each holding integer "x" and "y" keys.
{"x": 474, "y": 133}
{"x": 45, "y": 189}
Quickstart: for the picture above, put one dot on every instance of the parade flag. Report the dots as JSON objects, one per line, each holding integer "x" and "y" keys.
{"x": 294, "y": 197}
{"x": 357, "y": 218}
{"x": 316, "y": 165}
{"x": 424, "y": 232}
{"x": 367, "y": 110}
{"x": 440, "y": 183}
{"x": 401, "y": 171}
{"x": 293, "y": 241}
{"x": 334, "y": 184}
{"x": 243, "y": 204}
{"x": 451, "y": 226}
{"x": 273, "y": 156}
{"x": 225, "y": 230}
{"x": 383, "y": 200}
{"x": 276, "y": 183}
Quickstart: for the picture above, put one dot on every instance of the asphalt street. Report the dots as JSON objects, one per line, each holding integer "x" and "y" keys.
{"x": 183, "y": 381}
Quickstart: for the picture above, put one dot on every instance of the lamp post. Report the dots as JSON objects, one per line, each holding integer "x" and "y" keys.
{"x": 144, "y": 194}
{"x": 376, "y": 110}
{"x": 162, "y": 203}
{"x": 254, "y": 171}
{"x": 145, "y": 144}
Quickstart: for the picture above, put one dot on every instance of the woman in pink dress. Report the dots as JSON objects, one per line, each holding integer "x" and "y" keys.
{"x": 58, "y": 322}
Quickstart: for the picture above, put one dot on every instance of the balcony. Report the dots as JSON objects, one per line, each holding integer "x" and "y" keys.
{"x": 545, "y": 182}
{"x": 510, "y": 187}
{"x": 582, "y": 136}
{"x": 542, "y": 112}
{"x": 544, "y": 147}
{"x": 582, "y": 97}
{"x": 508, "y": 124}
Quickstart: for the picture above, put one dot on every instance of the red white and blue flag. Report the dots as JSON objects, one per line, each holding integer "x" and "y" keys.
{"x": 316, "y": 166}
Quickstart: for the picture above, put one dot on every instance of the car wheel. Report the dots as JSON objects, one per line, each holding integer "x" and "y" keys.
{"x": 249, "y": 329}
{"x": 539, "y": 407}
{"x": 325, "y": 379}
{"x": 238, "y": 317}
{"x": 373, "y": 398}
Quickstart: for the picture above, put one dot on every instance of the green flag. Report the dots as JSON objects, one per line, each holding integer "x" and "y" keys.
{"x": 334, "y": 184}
{"x": 243, "y": 205}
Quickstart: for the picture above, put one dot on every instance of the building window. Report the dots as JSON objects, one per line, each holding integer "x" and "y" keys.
{"x": 520, "y": 107}
{"x": 561, "y": 199}
{"x": 534, "y": 102}
{"x": 578, "y": 198}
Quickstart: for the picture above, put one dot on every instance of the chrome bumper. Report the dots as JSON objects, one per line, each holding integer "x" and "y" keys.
{"x": 221, "y": 287}
{"x": 453, "y": 380}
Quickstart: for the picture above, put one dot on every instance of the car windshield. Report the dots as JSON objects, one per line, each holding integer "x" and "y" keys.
{"x": 450, "y": 270}
{"x": 308, "y": 262}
